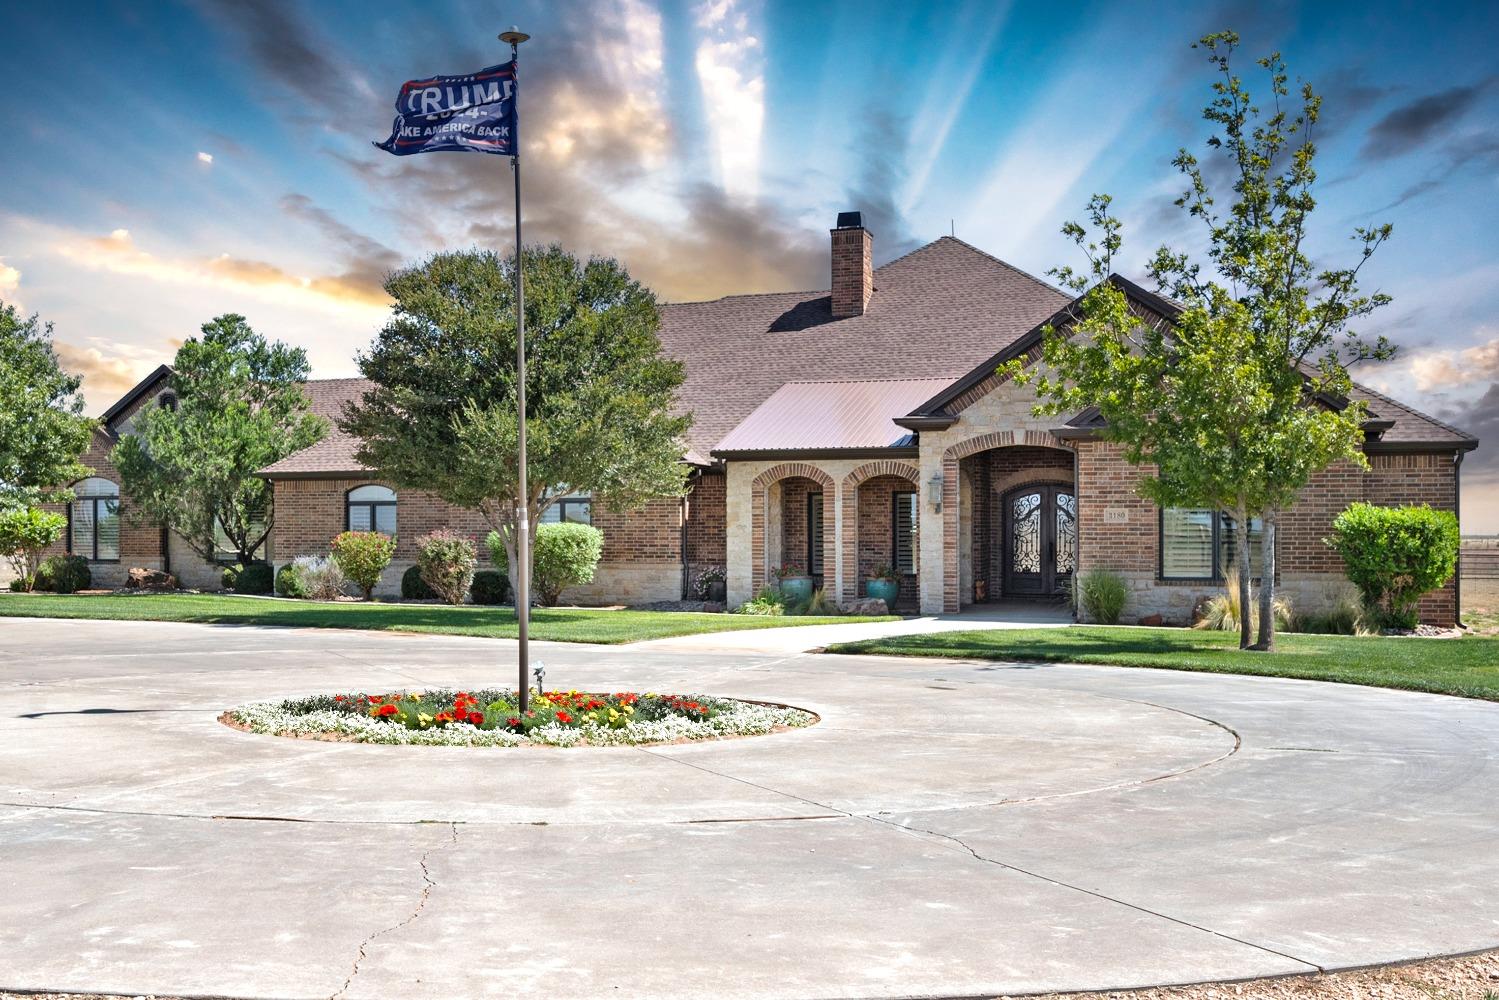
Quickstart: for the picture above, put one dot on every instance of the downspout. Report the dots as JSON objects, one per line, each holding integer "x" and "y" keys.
{"x": 1457, "y": 511}
{"x": 166, "y": 550}
{"x": 686, "y": 511}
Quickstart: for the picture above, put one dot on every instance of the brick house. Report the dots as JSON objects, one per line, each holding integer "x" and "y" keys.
{"x": 858, "y": 427}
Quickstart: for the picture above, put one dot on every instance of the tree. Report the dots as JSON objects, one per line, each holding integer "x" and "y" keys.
{"x": 240, "y": 407}
{"x": 42, "y": 427}
{"x": 25, "y": 532}
{"x": 599, "y": 394}
{"x": 1240, "y": 398}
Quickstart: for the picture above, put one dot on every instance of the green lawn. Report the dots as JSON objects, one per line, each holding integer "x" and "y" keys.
{"x": 556, "y": 624}
{"x": 1468, "y": 666}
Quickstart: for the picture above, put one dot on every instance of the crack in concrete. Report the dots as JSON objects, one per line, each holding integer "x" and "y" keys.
{"x": 1058, "y": 883}
{"x": 428, "y": 884}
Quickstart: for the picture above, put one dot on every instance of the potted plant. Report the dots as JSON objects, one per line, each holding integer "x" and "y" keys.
{"x": 795, "y": 586}
{"x": 711, "y": 585}
{"x": 883, "y": 583}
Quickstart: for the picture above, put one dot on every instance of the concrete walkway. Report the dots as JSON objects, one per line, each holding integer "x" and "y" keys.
{"x": 804, "y": 638}
{"x": 948, "y": 829}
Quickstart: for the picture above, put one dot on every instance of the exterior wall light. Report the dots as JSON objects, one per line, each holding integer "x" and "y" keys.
{"x": 934, "y": 492}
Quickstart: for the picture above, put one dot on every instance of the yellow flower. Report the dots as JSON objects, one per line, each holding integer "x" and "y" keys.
{"x": 629, "y": 709}
{"x": 414, "y": 696}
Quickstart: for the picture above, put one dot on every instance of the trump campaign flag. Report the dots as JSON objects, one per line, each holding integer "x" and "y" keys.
{"x": 470, "y": 113}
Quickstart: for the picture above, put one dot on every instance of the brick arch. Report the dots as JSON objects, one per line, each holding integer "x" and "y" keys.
{"x": 850, "y": 493}
{"x": 759, "y": 487}
{"x": 951, "y": 585}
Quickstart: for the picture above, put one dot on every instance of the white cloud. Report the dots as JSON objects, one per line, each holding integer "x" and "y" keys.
{"x": 205, "y": 157}
{"x": 1444, "y": 369}
{"x": 731, "y": 74}
{"x": 10, "y": 283}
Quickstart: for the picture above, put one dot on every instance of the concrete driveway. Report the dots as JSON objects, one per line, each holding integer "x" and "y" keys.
{"x": 948, "y": 829}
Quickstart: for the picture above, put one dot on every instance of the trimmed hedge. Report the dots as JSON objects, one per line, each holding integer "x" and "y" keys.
{"x": 64, "y": 574}
{"x": 1395, "y": 555}
{"x": 256, "y": 578}
{"x": 490, "y": 586}
{"x": 413, "y": 587}
{"x": 289, "y": 582}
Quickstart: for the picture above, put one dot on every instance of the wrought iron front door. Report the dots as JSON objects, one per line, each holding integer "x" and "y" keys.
{"x": 1040, "y": 540}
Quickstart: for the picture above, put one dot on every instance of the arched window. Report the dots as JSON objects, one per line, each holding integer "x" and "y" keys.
{"x": 167, "y": 401}
{"x": 94, "y": 520}
{"x": 371, "y": 508}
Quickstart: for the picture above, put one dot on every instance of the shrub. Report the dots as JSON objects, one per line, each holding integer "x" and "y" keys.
{"x": 63, "y": 574}
{"x": 766, "y": 602}
{"x": 321, "y": 576}
{"x": 1394, "y": 555}
{"x": 413, "y": 587}
{"x": 564, "y": 555}
{"x": 256, "y": 578}
{"x": 363, "y": 556}
{"x": 289, "y": 582}
{"x": 706, "y": 579}
{"x": 447, "y": 562}
{"x": 1102, "y": 594}
{"x": 820, "y": 604}
{"x": 490, "y": 586}
{"x": 24, "y": 533}
{"x": 1221, "y": 612}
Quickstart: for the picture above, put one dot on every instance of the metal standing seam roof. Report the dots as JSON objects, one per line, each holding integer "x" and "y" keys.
{"x": 831, "y": 415}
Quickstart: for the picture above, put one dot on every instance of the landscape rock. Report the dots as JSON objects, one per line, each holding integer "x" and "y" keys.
{"x": 864, "y": 606}
{"x": 150, "y": 579}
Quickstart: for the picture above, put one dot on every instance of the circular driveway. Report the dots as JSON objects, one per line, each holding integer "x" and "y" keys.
{"x": 948, "y": 829}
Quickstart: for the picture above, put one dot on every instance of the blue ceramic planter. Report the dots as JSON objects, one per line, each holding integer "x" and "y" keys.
{"x": 796, "y": 589}
{"x": 885, "y": 590}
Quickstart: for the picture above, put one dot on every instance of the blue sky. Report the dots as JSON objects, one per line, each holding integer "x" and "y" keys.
{"x": 164, "y": 163}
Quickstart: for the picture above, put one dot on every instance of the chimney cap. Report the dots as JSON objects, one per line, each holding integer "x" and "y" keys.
{"x": 850, "y": 220}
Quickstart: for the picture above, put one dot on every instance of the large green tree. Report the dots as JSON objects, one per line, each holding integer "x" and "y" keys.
{"x": 600, "y": 396}
{"x": 1244, "y": 395}
{"x": 239, "y": 407}
{"x": 42, "y": 427}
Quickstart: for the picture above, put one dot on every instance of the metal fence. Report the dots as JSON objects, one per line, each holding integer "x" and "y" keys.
{"x": 1480, "y": 557}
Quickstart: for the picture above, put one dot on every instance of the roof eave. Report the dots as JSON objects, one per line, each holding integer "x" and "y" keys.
{"x": 779, "y": 454}
{"x": 925, "y": 422}
{"x": 141, "y": 388}
{"x": 1420, "y": 447}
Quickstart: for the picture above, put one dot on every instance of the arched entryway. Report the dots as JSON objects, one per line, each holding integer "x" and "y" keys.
{"x": 1037, "y": 546}
{"x": 881, "y": 528}
{"x": 792, "y": 523}
{"x": 1012, "y": 511}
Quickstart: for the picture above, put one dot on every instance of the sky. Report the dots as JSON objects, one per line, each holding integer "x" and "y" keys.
{"x": 165, "y": 163}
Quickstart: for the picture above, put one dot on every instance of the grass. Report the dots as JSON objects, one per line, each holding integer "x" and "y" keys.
{"x": 555, "y": 624}
{"x": 1468, "y": 666}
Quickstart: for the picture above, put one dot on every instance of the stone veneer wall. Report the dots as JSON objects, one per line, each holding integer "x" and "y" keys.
{"x": 1309, "y": 573}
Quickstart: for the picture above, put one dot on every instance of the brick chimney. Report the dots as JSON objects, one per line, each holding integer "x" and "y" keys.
{"x": 853, "y": 274}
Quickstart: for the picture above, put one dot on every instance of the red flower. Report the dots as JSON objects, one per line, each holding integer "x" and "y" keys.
{"x": 564, "y": 718}
{"x": 387, "y": 710}
{"x": 512, "y": 722}
{"x": 477, "y": 718}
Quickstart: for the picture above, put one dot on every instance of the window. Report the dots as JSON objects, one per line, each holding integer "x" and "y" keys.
{"x": 167, "y": 401}
{"x": 814, "y": 534}
{"x": 224, "y": 550}
{"x": 94, "y": 520}
{"x": 576, "y": 508}
{"x": 371, "y": 508}
{"x": 1198, "y": 545}
{"x": 903, "y": 531}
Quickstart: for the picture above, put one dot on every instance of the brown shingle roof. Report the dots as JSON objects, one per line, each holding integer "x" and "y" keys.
{"x": 935, "y": 313}
{"x": 831, "y": 415}
{"x": 335, "y": 452}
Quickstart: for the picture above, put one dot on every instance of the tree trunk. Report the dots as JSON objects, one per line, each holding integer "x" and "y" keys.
{"x": 1266, "y": 638}
{"x": 1241, "y": 556}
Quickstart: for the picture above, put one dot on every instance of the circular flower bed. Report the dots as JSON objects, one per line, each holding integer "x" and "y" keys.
{"x": 492, "y": 719}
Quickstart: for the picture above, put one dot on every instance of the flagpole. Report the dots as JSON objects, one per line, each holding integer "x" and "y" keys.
{"x": 522, "y": 584}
